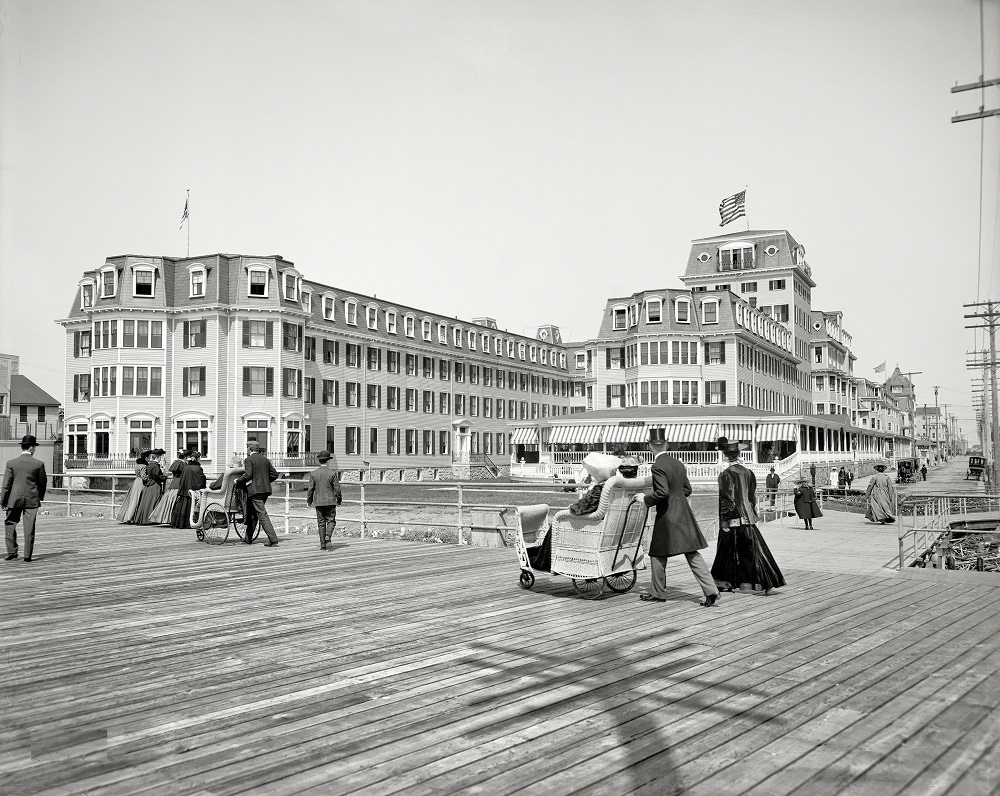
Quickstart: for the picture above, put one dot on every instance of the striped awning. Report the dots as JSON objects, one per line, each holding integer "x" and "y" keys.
{"x": 524, "y": 436}
{"x": 736, "y": 431}
{"x": 625, "y": 434}
{"x": 560, "y": 435}
{"x": 768, "y": 432}
{"x": 691, "y": 432}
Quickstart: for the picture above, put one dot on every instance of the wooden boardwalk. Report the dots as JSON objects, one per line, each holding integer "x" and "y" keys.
{"x": 137, "y": 661}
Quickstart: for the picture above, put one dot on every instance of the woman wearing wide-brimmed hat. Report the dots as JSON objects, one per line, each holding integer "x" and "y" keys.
{"x": 152, "y": 489}
{"x": 127, "y": 511}
{"x": 805, "y": 502}
{"x": 881, "y": 496}
{"x": 742, "y": 558}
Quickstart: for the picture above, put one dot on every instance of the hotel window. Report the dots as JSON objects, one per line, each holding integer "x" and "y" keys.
{"x": 619, "y": 316}
{"x": 291, "y": 382}
{"x": 351, "y": 312}
{"x": 352, "y": 353}
{"x": 331, "y": 438}
{"x": 685, "y": 392}
{"x": 682, "y": 311}
{"x": 444, "y": 403}
{"x": 654, "y": 311}
{"x": 76, "y": 440}
{"x": 293, "y": 438}
{"x": 487, "y": 407}
{"x": 545, "y": 356}
{"x": 86, "y": 295}
{"x": 428, "y": 443}
{"x": 408, "y": 325}
{"x": 309, "y": 390}
{"x": 411, "y": 442}
{"x": 715, "y": 353}
{"x": 474, "y": 406}
{"x": 194, "y": 334}
{"x": 374, "y": 358}
{"x": 309, "y": 349}
{"x": 474, "y": 374}
{"x": 581, "y": 360}
{"x": 352, "y": 440}
{"x": 141, "y": 381}
{"x": 443, "y": 440}
{"x": 425, "y": 329}
{"x": 392, "y": 441}
{"x": 331, "y": 392}
{"x": 781, "y": 313}
{"x": 776, "y": 284}
{"x": 330, "y": 308}
{"x": 392, "y": 398}
{"x": 258, "y": 381}
{"x": 428, "y": 402}
{"x": 193, "y": 381}
{"x": 444, "y": 369}
{"x": 307, "y": 303}
{"x": 456, "y": 337}
{"x": 510, "y": 349}
{"x": 392, "y": 361}
{"x": 372, "y": 313}
{"x": 109, "y": 282}
{"x": 484, "y": 343}
{"x": 102, "y": 439}
{"x": 105, "y": 381}
{"x": 709, "y": 312}
{"x": 192, "y": 434}
{"x": 411, "y": 364}
{"x": 257, "y": 282}
{"x": 81, "y": 387}
{"x": 81, "y": 344}
{"x": 459, "y": 373}
{"x": 818, "y": 355}
{"x": 487, "y": 377}
{"x": 411, "y": 399}
{"x": 291, "y": 284}
{"x": 471, "y": 340}
{"x": 258, "y": 334}
{"x": 715, "y": 392}
{"x": 443, "y": 333}
{"x": 373, "y": 399}
{"x": 390, "y": 321}
{"x": 459, "y": 404}
{"x": 352, "y": 393}
{"x": 196, "y": 283}
{"x": 373, "y": 441}
{"x": 142, "y": 282}
{"x": 748, "y": 287}
{"x": 331, "y": 352}
{"x": 736, "y": 257}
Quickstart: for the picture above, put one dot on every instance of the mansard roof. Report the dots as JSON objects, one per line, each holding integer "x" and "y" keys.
{"x": 775, "y": 250}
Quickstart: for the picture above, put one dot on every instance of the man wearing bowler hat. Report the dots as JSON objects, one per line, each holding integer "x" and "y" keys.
{"x": 675, "y": 530}
{"x": 257, "y": 478}
{"x": 24, "y": 483}
{"x": 323, "y": 493}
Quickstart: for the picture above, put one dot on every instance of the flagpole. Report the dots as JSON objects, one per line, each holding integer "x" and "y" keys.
{"x": 746, "y": 216}
{"x": 187, "y": 204}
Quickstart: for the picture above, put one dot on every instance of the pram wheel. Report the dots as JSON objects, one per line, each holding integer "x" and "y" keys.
{"x": 527, "y": 579}
{"x": 621, "y": 582}
{"x": 591, "y": 588}
{"x": 199, "y": 535}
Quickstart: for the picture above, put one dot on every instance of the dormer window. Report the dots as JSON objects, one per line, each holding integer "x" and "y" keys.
{"x": 86, "y": 294}
{"x": 532, "y": 353}
{"x": 471, "y": 338}
{"x": 329, "y": 307}
{"x": 654, "y": 310}
{"x": 307, "y": 300}
{"x": 620, "y": 318}
{"x": 109, "y": 282}
{"x": 257, "y": 282}
{"x": 736, "y": 256}
{"x": 425, "y": 329}
{"x": 456, "y": 337}
{"x": 142, "y": 282}
{"x": 510, "y": 349}
{"x": 371, "y": 314}
{"x": 498, "y": 346}
{"x": 390, "y": 321}
{"x": 351, "y": 312}
{"x": 710, "y": 311}
{"x": 682, "y": 311}
{"x": 520, "y": 351}
{"x": 196, "y": 281}
{"x": 291, "y": 285}
{"x": 484, "y": 342}
{"x": 409, "y": 326}
{"x": 633, "y": 314}
{"x": 443, "y": 333}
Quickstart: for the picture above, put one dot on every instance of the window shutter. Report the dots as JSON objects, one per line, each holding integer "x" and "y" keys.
{"x": 269, "y": 336}
{"x": 246, "y": 376}
{"x": 336, "y": 393}
{"x": 187, "y": 331}
{"x": 722, "y": 352}
{"x": 707, "y": 354}
{"x": 200, "y": 339}
{"x": 298, "y": 383}
{"x": 300, "y": 339}
{"x": 246, "y": 343}
{"x": 76, "y": 389}
{"x": 608, "y": 388}
{"x": 201, "y": 381}
{"x": 607, "y": 364}
{"x": 336, "y": 352}
{"x": 76, "y": 347}
{"x": 723, "y": 392}
{"x": 186, "y": 372}
{"x": 269, "y": 380}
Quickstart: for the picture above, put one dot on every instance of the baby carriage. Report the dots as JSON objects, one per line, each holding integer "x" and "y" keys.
{"x": 215, "y": 511}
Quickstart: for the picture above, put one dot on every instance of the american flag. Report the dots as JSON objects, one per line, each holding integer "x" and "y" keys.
{"x": 184, "y": 215}
{"x": 733, "y": 207}
{"x": 880, "y": 368}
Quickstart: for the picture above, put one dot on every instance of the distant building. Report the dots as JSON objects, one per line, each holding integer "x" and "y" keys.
{"x": 25, "y": 408}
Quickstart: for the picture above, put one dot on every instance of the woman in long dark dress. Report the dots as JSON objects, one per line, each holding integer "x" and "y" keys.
{"x": 164, "y": 509}
{"x": 805, "y": 502}
{"x": 152, "y": 490}
{"x": 742, "y": 559}
{"x": 127, "y": 511}
{"x": 192, "y": 480}
{"x": 881, "y": 498}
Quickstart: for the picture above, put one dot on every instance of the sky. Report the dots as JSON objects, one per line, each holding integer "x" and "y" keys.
{"x": 523, "y": 161}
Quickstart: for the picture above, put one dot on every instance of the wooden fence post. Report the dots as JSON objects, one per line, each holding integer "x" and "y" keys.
{"x": 364, "y": 521}
{"x": 288, "y": 505}
{"x": 460, "y": 514}
{"x": 69, "y": 498}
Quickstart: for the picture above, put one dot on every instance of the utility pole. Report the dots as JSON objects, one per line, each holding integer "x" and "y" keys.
{"x": 982, "y": 113}
{"x": 913, "y": 409}
{"x": 947, "y": 432}
{"x": 937, "y": 425}
{"x": 989, "y": 311}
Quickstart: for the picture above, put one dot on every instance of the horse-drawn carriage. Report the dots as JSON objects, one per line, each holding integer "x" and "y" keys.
{"x": 906, "y": 470}
{"x": 977, "y": 466}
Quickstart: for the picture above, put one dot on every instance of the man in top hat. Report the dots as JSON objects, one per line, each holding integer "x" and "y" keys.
{"x": 24, "y": 483}
{"x": 675, "y": 530}
{"x": 260, "y": 473}
{"x": 323, "y": 493}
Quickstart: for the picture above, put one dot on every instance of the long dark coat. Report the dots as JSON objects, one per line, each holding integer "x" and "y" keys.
{"x": 675, "y": 530}
{"x": 259, "y": 474}
{"x": 805, "y": 502}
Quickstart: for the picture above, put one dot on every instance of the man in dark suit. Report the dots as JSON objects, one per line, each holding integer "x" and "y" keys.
{"x": 323, "y": 493}
{"x": 258, "y": 477}
{"x": 24, "y": 483}
{"x": 675, "y": 530}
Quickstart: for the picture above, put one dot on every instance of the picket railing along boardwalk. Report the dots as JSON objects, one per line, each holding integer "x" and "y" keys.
{"x": 137, "y": 660}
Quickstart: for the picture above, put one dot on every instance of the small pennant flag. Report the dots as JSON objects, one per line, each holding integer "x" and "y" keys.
{"x": 733, "y": 207}
{"x": 880, "y": 368}
{"x": 184, "y": 215}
